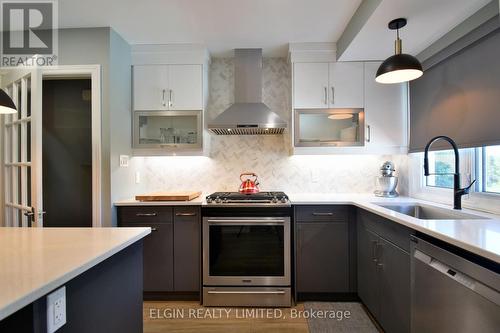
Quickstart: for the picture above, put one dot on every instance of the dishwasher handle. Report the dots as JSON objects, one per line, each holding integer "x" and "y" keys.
{"x": 459, "y": 277}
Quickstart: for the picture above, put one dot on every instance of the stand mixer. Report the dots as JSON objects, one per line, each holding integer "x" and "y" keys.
{"x": 386, "y": 183}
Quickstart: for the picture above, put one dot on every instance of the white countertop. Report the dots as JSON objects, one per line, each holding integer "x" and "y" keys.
{"x": 34, "y": 261}
{"x": 478, "y": 236}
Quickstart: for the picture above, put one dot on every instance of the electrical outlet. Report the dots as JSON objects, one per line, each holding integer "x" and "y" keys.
{"x": 137, "y": 177}
{"x": 56, "y": 310}
{"x": 124, "y": 161}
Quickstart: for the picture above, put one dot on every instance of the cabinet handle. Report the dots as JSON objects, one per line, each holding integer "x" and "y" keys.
{"x": 378, "y": 253}
{"x": 333, "y": 95}
{"x": 326, "y": 96}
{"x": 322, "y": 214}
{"x": 369, "y": 132}
{"x": 185, "y": 214}
{"x": 146, "y": 214}
{"x": 154, "y": 229}
{"x": 249, "y": 292}
{"x": 170, "y": 102}
{"x": 374, "y": 250}
{"x": 299, "y": 239}
{"x": 163, "y": 102}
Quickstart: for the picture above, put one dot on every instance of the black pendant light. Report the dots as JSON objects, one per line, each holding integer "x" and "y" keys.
{"x": 400, "y": 67}
{"x": 7, "y": 106}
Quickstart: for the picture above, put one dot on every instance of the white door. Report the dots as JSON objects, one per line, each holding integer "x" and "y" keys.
{"x": 346, "y": 85}
{"x": 150, "y": 87}
{"x": 22, "y": 150}
{"x": 185, "y": 87}
{"x": 310, "y": 82}
{"x": 386, "y": 108}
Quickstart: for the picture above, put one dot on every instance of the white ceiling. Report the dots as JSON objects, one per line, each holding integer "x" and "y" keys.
{"x": 221, "y": 25}
{"x": 428, "y": 20}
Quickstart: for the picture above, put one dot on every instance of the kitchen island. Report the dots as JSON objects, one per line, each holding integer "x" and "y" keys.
{"x": 100, "y": 268}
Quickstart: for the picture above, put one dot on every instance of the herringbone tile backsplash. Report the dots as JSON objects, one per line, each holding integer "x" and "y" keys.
{"x": 268, "y": 156}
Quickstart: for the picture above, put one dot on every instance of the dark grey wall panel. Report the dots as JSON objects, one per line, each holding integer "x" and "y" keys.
{"x": 459, "y": 97}
{"x": 105, "y": 298}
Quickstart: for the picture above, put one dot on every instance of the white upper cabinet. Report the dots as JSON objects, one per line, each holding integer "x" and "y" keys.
{"x": 386, "y": 107}
{"x": 346, "y": 85}
{"x": 186, "y": 91}
{"x": 310, "y": 81}
{"x": 150, "y": 87}
{"x": 168, "y": 87}
{"x": 328, "y": 85}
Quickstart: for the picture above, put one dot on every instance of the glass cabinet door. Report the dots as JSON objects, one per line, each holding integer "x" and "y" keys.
{"x": 329, "y": 127}
{"x": 163, "y": 129}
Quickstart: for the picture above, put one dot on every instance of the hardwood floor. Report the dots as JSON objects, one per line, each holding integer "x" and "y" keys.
{"x": 181, "y": 316}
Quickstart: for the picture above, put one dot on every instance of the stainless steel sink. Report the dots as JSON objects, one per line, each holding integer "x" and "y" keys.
{"x": 424, "y": 212}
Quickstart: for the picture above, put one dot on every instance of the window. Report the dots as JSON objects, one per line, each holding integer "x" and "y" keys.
{"x": 442, "y": 164}
{"x": 482, "y": 164}
{"x": 491, "y": 169}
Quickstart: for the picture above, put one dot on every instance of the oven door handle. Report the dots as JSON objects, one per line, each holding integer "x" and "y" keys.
{"x": 245, "y": 222}
{"x": 263, "y": 292}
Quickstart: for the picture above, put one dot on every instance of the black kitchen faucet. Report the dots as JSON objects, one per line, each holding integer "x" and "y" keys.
{"x": 457, "y": 191}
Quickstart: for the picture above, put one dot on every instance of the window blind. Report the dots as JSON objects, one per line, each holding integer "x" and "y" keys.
{"x": 459, "y": 96}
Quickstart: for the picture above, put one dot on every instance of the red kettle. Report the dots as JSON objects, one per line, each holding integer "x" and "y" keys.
{"x": 249, "y": 186}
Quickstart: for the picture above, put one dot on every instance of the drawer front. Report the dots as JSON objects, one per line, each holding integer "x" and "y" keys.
{"x": 322, "y": 213}
{"x": 391, "y": 231}
{"x": 187, "y": 213}
{"x": 145, "y": 214}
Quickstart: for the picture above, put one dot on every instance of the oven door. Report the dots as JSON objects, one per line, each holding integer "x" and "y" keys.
{"x": 246, "y": 251}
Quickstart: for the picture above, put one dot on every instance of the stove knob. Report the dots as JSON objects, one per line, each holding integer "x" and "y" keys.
{"x": 209, "y": 199}
{"x": 218, "y": 200}
{"x": 284, "y": 199}
{"x": 274, "y": 200}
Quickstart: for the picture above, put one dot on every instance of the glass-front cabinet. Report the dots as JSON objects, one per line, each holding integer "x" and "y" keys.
{"x": 168, "y": 129}
{"x": 329, "y": 127}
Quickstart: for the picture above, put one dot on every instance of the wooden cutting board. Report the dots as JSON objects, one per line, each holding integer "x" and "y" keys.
{"x": 169, "y": 196}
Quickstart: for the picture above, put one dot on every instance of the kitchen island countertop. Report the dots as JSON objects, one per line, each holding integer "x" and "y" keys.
{"x": 34, "y": 261}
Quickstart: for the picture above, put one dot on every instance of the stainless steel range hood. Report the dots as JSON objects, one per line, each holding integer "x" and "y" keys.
{"x": 248, "y": 115}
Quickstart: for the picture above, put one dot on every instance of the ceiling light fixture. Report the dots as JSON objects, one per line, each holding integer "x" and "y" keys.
{"x": 7, "y": 106}
{"x": 340, "y": 116}
{"x": 400, "y": 67}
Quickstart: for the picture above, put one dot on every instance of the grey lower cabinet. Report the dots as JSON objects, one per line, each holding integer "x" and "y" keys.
{"x": 158, "y": 257}
{"x": 172, "y": 250}
{"x": 187, "y": 249}
{"x": 384, "y": 271}
{"x": 322, "y": 249}
{"x": 368, "y": 283}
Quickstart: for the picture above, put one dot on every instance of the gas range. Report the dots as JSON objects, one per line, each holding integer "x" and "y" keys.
{"x": 246, "y": 249}
{"x": 255, "y": 199}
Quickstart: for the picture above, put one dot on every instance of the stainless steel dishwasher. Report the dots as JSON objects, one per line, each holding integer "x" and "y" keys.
{"x": 450, "y": 293}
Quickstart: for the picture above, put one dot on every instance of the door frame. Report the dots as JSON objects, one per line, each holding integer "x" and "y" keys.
{"x": 94, "y": 71}
{"x": 67, "y": 71}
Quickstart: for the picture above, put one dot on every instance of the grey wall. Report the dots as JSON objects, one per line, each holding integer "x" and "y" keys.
{"x": 91, "y": 46}
{"x": 122, "y": 179}
{"x": 103, "y": 46}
